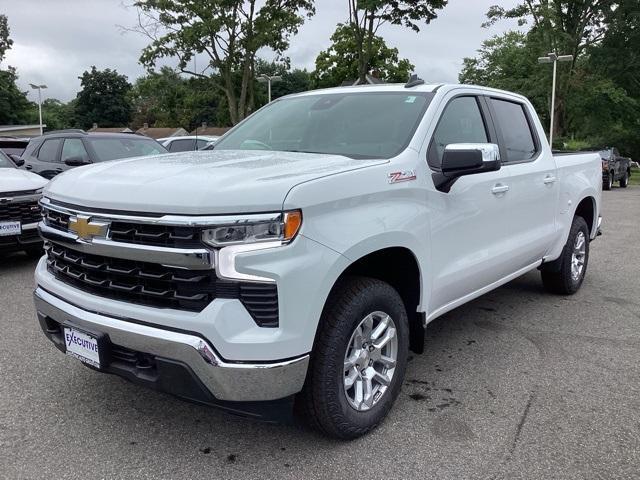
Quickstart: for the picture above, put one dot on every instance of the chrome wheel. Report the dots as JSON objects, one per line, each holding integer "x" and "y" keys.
{"x": 578, "y": 256}
{"x": 370, "y": 360}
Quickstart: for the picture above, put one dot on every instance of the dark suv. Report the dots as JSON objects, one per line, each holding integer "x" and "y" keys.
{"x": 55, "y": 152}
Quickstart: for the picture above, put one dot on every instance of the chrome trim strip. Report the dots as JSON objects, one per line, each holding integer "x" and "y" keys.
{"x": 226, "y": 380}
{"x": 194, "y": 259}
{"x": 29, "y": 226}
{"x": 19, "y": 199}
{"x": 169, "y": 220}
{"x": 226, "y": 261}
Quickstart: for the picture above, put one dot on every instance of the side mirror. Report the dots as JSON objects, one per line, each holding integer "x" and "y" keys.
{"x": 461, "y": 159}
{"x": 16, "y": 159}
{"x": 76, "y": 161}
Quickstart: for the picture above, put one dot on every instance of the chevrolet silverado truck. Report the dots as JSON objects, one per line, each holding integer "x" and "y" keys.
{"x": 19, "y": 210}
{"x": 300, "y": 260}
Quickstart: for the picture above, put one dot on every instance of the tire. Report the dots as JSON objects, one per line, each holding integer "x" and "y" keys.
{"x": 624, "y": 181}
{"x": 563, "y": 280}
{"x": 34, "y": 252}
{"x": 607, "y": 182}
{"x": 324, "y": 401}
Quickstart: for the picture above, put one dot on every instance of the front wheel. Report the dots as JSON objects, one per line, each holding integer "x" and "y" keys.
{"x": 359, "y": 359}
{"x": 607, "y": 182}
{"x": 566, "y": 277}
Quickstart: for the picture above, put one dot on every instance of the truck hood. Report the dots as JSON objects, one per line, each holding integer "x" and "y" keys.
{"x": 14, "y": 180}
{"x": 194, "y": 183}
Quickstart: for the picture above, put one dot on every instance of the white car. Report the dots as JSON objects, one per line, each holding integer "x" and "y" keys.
{"x": 188, "y": 143}
{"x": 20, "y": 192}
{"x": 303, "y": 257}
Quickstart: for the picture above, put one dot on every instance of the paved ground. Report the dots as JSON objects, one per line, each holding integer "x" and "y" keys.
{"x": 517, "y": 384}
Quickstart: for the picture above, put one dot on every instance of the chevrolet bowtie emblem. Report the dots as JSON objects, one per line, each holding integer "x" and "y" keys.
{"x": 86, "y": 229}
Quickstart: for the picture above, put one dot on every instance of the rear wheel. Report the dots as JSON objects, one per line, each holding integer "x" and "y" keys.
{"x": 359, "y": 359}
{"x": 624, "y": 181}
{"x": 566, "y": 277}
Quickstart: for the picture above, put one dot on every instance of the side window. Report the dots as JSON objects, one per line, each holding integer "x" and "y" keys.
{"x": 516, "y": 132}
{"x": 49, "y": 150}
{"x": 182, "y": 145}
{"x": 461, "y": 122}
{"x": 74, "y": 148}
{"x": 202, "y": 143}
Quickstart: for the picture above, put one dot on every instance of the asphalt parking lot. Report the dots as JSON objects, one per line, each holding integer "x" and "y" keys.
{"x": 517, "y": 384}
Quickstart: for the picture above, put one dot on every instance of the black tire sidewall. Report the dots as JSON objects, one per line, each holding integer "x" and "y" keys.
{"x": 578, "y": 225}
{"x": 378, "y": 296}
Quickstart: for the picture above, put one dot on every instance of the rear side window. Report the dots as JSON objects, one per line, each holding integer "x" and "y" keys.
{"x": 74, "y": 148}
{"x": 461, "y": 122}
{"x": 184, "y": 145}
{"x": 517, "y": 136}
{"x": 49, "y": 150}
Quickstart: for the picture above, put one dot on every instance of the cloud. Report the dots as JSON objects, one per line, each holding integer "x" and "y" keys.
{"x": 54, "y": 42}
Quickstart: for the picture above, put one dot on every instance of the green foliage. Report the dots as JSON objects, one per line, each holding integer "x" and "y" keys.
{"x": 228, "y": 32}
{"x": 293, "y": 81}
{"x": 598, "y": 94}
{"x": 14, "y": 105}
{"x": 367, "y": 16}
{"x": 104, "y": 99}
{"x": 340, "y": 61}
{"x": 56, "y": 115}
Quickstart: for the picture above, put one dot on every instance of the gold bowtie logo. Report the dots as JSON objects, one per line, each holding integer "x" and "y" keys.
{"x": 85, "y": 229}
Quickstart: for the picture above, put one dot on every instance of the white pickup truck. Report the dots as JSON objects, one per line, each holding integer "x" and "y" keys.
{"x": 20, "y": 192}
{"x": 302, "y": 258}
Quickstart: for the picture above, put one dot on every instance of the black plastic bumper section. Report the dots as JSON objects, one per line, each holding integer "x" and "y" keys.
{"x": 169, "y": 376}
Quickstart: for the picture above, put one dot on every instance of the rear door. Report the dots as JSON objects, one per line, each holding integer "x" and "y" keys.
{"x": 533, "y": 184}
{"x": 468, "y": 224}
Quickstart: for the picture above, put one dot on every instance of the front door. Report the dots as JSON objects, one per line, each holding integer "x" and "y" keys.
{"x": 468, "y": 228}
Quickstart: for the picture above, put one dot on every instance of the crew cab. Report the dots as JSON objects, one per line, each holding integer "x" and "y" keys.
{"x": 301, "y": 259}
{"x": 19, "y": 210}
{"x": 615, "y": 168}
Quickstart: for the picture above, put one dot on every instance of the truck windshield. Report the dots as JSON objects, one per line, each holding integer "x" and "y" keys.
{"x": 355, "y": 124}
{"x": 5, "y": 162}
{"x": 115, "y": 148}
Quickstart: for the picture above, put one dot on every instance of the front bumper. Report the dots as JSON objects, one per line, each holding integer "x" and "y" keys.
{"x": 28, "y": 238}
{"x": 224, "y": 381}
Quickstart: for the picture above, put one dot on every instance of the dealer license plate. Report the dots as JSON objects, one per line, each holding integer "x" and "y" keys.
{"x": 10, "y": 228}
{"x": 82, "y": 346}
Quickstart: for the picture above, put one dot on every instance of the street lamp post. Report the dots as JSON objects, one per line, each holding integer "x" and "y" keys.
{"x": 267, "y": 79}
{"x": 553, "y": 58}
{"x": 39, "y": 88}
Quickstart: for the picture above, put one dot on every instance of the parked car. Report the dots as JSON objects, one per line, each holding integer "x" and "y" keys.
{"x": 303, "y": 257}
{"x": 187, "y": 143}
{"x": 13, "y": 146}
{"x": 20, "y": 192}
{"x": 615, "y": 168}
{"x": 56, "y": 152}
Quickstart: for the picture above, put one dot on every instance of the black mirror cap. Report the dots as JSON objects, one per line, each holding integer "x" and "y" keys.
{"x": 76, "y": 162}
{"x": 16, "y": 159}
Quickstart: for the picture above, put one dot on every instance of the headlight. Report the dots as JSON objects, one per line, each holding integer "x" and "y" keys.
{"x": 39, "y": 191}
{"x": 279, "y": 227}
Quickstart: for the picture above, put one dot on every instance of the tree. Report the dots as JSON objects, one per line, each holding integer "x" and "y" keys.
{"x": 564, "y": 27}
{"x": 292, "y": 81}
{"x": 104, "y": 99}
{"x": 14, "y": 105}
{"x": 229, "y": 33}
{"x": 57, "y": 115}
{"x": 340, "y": 61}
{"x": 367, "y": 16}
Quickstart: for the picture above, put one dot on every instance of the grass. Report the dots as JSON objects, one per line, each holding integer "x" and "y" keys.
{"x": 635, "y": 177}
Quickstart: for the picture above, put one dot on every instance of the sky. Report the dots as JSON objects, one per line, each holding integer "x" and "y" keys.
{"x": 56, "y": 40}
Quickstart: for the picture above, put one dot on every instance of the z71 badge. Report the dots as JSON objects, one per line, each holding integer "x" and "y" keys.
{"x": 407, "y": 175}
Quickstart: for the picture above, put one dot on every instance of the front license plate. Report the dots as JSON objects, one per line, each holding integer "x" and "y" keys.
{"x": 10, "y": 228}
{"x": 82, "y": 346}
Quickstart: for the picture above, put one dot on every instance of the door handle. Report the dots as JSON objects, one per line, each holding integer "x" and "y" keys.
{"x": 499, "y": 188}
{"x": 28, "y": 167}
{"x": 549, "y": 179}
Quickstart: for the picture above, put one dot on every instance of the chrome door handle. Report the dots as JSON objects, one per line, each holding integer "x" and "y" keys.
{"x": 499, "y": 188}
{"x": 549, "y": 179}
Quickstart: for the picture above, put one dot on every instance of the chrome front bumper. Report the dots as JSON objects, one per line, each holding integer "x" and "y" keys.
{"x": 241, "y": 382}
